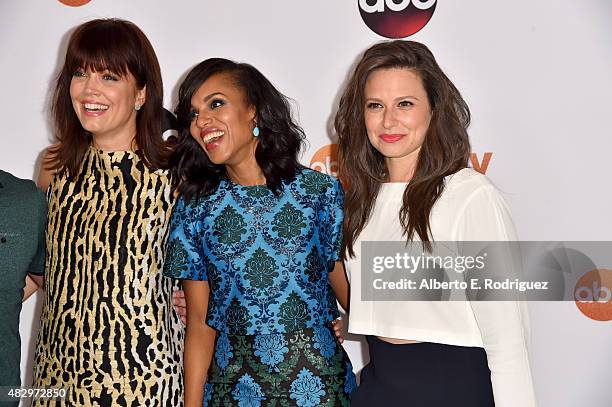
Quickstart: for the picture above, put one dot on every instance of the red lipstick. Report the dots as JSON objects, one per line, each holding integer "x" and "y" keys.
{"x": 391, "y": 138}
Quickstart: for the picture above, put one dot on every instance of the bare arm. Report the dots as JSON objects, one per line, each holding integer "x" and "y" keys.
{"x": 46, "y": 173}
{"x": 180, "y": 306}
{"x": 33, "y": 283}
{"x": 340, "y": 285}
{"x": 199, "y": 341}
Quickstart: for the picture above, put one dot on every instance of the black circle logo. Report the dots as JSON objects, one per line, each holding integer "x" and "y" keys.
{"x": 396, "y": 18}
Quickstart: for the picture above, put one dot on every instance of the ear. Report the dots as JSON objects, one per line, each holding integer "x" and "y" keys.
{"x": 141, "y": 95}
{"x": 252, "y": 113}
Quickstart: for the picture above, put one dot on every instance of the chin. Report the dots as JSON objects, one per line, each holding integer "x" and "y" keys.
{"x": 90, "y": 129}
{"x": 90, "y": 126}
{"x": 215, "y": 159}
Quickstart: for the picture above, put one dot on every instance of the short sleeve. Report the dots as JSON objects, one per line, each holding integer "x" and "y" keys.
{"x": 184, "y": 259}
{"x": 37, "y": 265}
{"x": 331, "y": 218}
{"x": 503, "y": 325}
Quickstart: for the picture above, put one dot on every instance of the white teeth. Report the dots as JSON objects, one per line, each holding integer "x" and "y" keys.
{"x": 210, "y": 137}
{"x": 95, "y": 106}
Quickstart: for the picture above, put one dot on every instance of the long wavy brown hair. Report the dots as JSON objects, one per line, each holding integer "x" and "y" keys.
{"x": 120, "y": 47}
{"x": 445, "y": 150}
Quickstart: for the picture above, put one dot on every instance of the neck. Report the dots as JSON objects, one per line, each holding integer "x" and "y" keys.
{"x": 401, "y": 169}
{"x": 111, "y": 146}
{"x": 246, "y": 173}
{"x": 115, "y": 142}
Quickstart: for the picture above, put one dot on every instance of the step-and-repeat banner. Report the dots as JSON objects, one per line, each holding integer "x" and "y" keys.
{"x": 535, "y": 74}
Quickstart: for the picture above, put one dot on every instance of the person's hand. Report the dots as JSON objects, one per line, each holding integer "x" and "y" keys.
{"x": 338, "y": 326}
{"x": 180, "y": 305}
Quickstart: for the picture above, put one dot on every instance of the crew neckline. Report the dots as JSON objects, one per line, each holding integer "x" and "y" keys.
{"x": 390, "y": 185}
{"x": 100, "y": 151}
{"x": 235, "y": 184}
{"x": 404, "y": 183}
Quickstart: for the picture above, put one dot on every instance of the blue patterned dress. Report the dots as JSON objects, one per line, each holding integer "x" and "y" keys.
{"x": 267, "y": 260}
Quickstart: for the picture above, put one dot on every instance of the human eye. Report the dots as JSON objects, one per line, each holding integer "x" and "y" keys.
{"x": 373, "y": 105}
{"x": 107, "y": 76}
{"x": 215, "y": 103}
{"x": 405, "y": 103}
{"x": 78, "y": 73}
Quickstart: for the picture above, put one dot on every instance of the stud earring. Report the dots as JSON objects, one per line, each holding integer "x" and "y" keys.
{"x": 137, "y": 106}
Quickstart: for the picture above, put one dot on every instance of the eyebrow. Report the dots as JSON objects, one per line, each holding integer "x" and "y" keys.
{"x": 212, "y": 95}
{"x": 396, "y": 99}
{"x": 208, "y": 97}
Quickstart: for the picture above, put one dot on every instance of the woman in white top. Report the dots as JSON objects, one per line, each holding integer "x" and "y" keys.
{"x": 404, "y": 153}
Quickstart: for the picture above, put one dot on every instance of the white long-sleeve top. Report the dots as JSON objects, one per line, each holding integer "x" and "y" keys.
{"x": 469, "y": 209}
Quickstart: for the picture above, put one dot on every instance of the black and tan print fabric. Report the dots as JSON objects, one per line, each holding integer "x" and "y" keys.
{"x": 109, "y": 333}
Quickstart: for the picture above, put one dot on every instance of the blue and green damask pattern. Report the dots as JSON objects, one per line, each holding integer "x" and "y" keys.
{"x": 266, "y": 257}
{"x": 267, "y": 260}
{"x": 304, "y": 368}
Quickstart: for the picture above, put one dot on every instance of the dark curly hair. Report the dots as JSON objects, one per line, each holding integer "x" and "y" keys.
{"x": 280, "y": 138}
{"x": 445, "y": 150}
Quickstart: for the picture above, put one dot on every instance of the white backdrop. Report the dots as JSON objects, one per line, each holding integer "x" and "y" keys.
{"x": 537, "y": 76}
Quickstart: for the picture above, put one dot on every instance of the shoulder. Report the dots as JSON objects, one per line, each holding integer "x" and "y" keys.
{"x": 18, "y": 185}
{"x": 315, "y": 182}
{"x": 192, "y": 210}
{"x": 467, "y": 179}
{"x": 23, "y": 191}
{"x": 183, "y": 206}
{"x": 468, "y": 193}
{"x": 184, "y": 215}
{"x": 474, "y": 208}
{"x": 467, "y": 184}
{"x": 47, "y": 168}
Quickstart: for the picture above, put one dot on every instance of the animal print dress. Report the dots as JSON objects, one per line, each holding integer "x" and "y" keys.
{"x": 109, "y": 334}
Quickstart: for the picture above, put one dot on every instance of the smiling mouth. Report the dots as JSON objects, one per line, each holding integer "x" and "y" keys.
{"x": 391, "y": 138}
{"x": 95, "y": 107}
{"x": 212, "y": 136}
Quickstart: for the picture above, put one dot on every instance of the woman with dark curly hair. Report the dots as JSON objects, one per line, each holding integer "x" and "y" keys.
{"x": 404, "y": 153}
{"x": 256, "y": 239}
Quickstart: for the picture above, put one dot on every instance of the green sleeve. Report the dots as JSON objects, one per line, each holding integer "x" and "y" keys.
{"x": 37, "y": 265}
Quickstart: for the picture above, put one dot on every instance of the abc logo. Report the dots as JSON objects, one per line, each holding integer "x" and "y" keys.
{"x": 593, "y": 295}
{"x": 74, "y": 3}
{"x": 396, "y": 18}
{"x": 325, "y": 160}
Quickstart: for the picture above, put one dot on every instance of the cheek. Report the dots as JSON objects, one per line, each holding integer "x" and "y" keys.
{"x": 371, "y": 132}
{"x": 121, "y": 97}
{"x": 371, "y": 124}
{"x": 240, "y": 129}
{"x": 74, "y": 91}
{"x": 194, "y": 131}
{"x": 420, "y": 117}
{"x": 75, "y": 104}
{"x": 422, "y": 123}
{"x": 372, "y": 139}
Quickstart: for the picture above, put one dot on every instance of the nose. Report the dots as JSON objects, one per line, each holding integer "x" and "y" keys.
{"x": 203, "y": 119}
{"x": 92, "y": 84}
{"x": 389, "y": 119}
